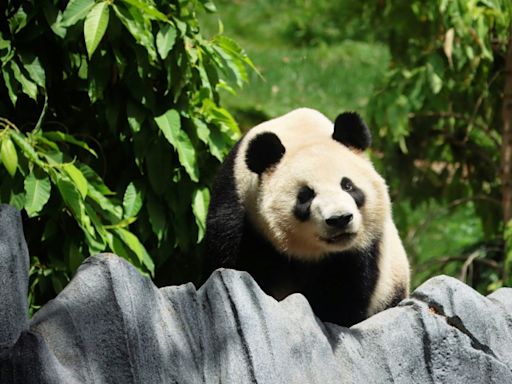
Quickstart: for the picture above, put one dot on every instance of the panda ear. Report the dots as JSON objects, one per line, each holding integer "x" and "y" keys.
{"x": 351, "y": 130}
{"x": 263, "y": 151}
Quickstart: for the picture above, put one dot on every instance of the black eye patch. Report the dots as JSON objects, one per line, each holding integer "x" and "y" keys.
{"x": 346, "y": 184}
{"x": 357, "y": 194}
{"x": 303, "y": 204}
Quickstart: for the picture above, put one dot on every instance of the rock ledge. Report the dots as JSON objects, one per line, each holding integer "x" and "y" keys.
{"x": 112, "y": 325}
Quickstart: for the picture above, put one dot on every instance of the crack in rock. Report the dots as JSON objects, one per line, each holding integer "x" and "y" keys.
{"x": 453, "y": 321}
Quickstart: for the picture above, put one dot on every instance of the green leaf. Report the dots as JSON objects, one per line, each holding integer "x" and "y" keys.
{"x": 105, "y": 204}
{"x": 18, "y": 21}
{"x": 165, "y": 39}
{"x": 235, "y": 57}
{"x": 34, "y": 68}
{"x": 95, "y": 244}
{"x": 37, "y": 192}
{"x": 170, "y": 125}
{"x": 75, "y": 11}
{"x": 138, "y": 26}
{"x": 136, "y": 246}
{"x": 16, "y": 197}
{"x": 58, "y": 282}
{"x": 99, "y": 73}
{"x": 4, "y": 44}
{"x": 218, "y": 144}
{"x": 202, "y": 130}
{"x": 53, "y": 17}
{"x": 156, "y": 214}
{"x": 67, "y": 138}
{"x": 100, "y": 234}
{"x": 75, "y": 257}
{"x": 38, "y": 128}
{"x": 6, "y": 51}
{"x": 397, "y": 116}
{"x": 95, "y": 26}
{"x": 122, "y": 223}
{"x": 94, "y": 179}
{"x": 132, "y": 201}
{"x": 50, "y": 230}
{"x": 154, "y": 159}
{"x": 26, "y": 148}
{"x": 435, "y": 81}
{"x": 10, "y": 84}
{"x": 209, "y": 6}
{"x": 28, "y": 87}
{"x": 223, "y": 118}
{"x": 74, "y": 202}
{"x": 77, "y": 177}
{"x": 9, "y": 156}
{"x": 148, "y": 9}
{"x": 200, "y": 201}
{"x": 55, "y": 157}
{"x": 70, "y": 195}
{"x": 119, "y": 248}
{"x": 135, "y": 115}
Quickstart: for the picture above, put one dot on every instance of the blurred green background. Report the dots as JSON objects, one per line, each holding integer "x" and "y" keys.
{"x": 114, "y": 117}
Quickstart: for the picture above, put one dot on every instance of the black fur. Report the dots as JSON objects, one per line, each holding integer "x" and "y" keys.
{"x": 356, "y": 193}
{"x": 399, "y": 294}
{"x": 338, "y": 287}
{"x": 302, "y": 207}
{"x": 263, "y": 151}
{"x": 225, "y": 218}
{"x": 351, "y": 130}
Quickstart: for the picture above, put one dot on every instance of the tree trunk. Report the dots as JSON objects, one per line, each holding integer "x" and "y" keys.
{"x": 506, "y": 148}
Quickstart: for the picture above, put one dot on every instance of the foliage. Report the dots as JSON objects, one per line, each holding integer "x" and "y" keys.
{"x": 298, "y": 72}
{"x": 441, "y": 103}
{"x": 321, "y": 22}
{"x": 110, "y": 131}
{"x": 302, "y": 76}
{"x": 296, "y": 23}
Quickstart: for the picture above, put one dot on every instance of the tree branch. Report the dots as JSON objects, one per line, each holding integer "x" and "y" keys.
{"x": 442, "y": 262}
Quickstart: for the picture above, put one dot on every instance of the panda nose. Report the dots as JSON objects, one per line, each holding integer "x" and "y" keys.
{"x": 339, "y": 221}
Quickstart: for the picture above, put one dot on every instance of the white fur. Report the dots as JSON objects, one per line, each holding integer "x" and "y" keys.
{"x": 314, "y": 159}
{"x": 320, "y": 166}
{"x": 393, "y": 268}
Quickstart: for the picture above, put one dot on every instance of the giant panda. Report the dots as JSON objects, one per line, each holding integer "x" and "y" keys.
{"x": 299, "y": 206}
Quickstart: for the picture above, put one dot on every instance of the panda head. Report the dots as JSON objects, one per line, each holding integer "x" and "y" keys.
{"x": 319, "y": 196}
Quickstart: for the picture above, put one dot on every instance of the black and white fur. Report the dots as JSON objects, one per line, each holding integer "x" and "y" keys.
{"x": 298, "y": 205}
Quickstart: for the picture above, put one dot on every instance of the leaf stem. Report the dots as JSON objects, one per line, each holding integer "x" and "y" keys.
{"x": 37, "y": 128}
{"x": 8, "y": 124}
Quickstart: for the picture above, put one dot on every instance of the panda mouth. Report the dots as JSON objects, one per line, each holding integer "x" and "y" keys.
{"x": 339, "y": 238}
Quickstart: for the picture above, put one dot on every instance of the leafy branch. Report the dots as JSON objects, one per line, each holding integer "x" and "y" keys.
{"x": 137, "y": 79}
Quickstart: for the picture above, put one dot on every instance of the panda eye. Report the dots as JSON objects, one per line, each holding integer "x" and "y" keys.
{"x": 346, "y": 184}
{"x": 305, "y": 194}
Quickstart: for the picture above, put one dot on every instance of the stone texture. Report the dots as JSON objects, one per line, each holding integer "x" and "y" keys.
{"x": 112, "y": 325}
{"x": 14, "y": 265}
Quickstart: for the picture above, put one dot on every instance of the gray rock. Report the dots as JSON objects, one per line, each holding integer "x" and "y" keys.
{"x": 112, "y": 325}
{"x": 14, "y": 265}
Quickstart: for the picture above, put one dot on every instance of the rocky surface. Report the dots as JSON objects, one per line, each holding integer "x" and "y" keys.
{"x": 112, "y": 325}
